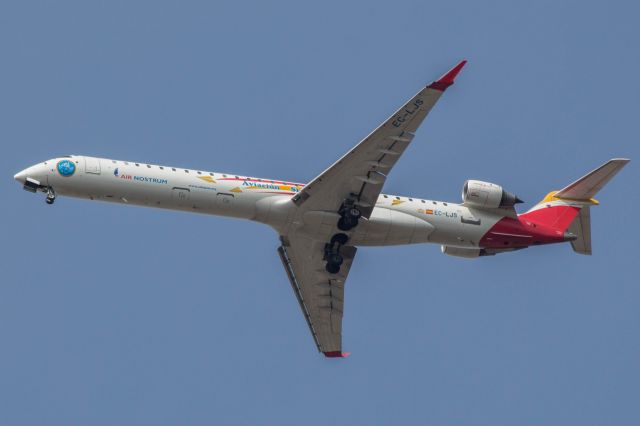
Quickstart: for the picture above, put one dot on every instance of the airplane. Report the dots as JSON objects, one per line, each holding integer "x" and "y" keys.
{"x": 322, "y": 223}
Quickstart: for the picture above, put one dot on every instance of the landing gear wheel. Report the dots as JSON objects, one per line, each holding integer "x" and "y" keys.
{"x": 340, "y": 239}
{"x": 51, "y": 196}
{"x": 355, "y": 213}
{"x": 332, "y": 268}
{"x": 335, "y": 258}
{"x": 346, "y": 223}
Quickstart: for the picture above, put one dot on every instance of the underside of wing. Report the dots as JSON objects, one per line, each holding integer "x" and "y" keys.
{"x": 332, "y": 204}
{"x": 319, "y": 293}
{"x": 360, "y": 174}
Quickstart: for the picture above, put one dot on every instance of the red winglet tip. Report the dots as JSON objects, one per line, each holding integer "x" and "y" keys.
{"x": 447, "y": 80}
{"x": 336, "y": 354}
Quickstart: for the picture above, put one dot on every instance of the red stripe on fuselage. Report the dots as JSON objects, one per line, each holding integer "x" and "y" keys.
{"x": 557, "y": 217}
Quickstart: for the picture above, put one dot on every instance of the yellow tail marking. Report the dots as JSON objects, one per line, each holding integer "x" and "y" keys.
{"x": 552, "y": 197}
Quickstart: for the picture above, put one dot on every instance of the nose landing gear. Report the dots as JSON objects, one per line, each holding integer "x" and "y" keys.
{"x": 51, "y": 196}
{"x": 332, "y": 253}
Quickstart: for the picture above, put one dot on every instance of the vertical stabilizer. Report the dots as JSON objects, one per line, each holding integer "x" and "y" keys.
{"x": 569, "y": 210}
{"x": 581, "y": 228}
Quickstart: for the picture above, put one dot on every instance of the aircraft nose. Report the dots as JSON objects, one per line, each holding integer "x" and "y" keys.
{"x": 21, "y": 176}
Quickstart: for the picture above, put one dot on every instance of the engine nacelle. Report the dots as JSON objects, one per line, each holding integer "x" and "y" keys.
{"x": 487, "y": 195}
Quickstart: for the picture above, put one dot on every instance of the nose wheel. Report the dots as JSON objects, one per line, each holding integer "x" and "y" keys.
{"x": 51, "y": 196}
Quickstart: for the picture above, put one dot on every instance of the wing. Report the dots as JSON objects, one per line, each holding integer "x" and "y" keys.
{"x": 361, "y": 173}
{"x": 357, "y": 177}
{"x": 320, "y": 294}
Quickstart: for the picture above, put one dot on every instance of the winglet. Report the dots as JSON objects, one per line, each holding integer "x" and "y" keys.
{"x": 336, "y": 354}
{"x": 447, "y": 80}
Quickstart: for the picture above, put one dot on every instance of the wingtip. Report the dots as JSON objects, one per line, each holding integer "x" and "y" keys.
{"x": 448, "y": 78}
{"x": 336, "y": 354}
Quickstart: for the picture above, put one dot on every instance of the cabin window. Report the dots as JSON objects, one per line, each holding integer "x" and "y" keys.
{"x": 444, "y": 204}
{"x": 126, "y": 163}
{"x": 161, "y": 168}
{"x": 210, "y": 174}
{"x": 397, "y": 198}
{"x": 411, "y": 199}
{"x": 148, "y": 166}
{"x": 385, "y": 196}
{"x": 224, "y": 175}
{"x": 186, "y": 171}
{"x": 422, "y": 201}
{"x": 199, "y": 173}
{"x": 434, "y": 203}
{"x": 137, "y": 165}
{"x": 173, "y": 168}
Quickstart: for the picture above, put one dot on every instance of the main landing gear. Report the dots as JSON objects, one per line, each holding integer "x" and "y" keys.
{"x": 332, "y": 253}
{"x": 349, "y": 216}
{"x": 51, "y": 196}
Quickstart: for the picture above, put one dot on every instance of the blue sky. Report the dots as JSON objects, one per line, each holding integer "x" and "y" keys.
{"x": 124, "y": 315}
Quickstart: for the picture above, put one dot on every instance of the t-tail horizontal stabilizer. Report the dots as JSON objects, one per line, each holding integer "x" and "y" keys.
{"x": 585, "y": 188}
{"x": 568, "y": 210}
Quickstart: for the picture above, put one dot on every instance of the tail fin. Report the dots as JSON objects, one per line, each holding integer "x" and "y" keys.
{"x": 581, "y": 228}
{"x": 568, "y": 210}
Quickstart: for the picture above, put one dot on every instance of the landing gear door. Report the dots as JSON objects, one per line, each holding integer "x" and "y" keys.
{"x": 92, "y": 165}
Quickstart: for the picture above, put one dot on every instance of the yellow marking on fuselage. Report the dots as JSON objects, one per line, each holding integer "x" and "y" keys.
{"x": 396, "y": 202}
{"x": 236, "y": 190}
{"x": 208, "y": 179}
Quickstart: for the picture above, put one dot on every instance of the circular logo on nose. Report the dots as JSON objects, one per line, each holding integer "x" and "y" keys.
{"x": 66, "y": 168}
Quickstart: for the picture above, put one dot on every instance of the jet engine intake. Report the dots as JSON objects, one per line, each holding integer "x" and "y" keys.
{"x": 487, "y": 195}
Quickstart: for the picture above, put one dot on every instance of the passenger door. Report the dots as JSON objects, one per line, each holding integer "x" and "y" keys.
{"x": 92, "y": 165}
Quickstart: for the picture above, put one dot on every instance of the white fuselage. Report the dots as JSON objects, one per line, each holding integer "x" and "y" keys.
{"x": 395, "y": 220}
